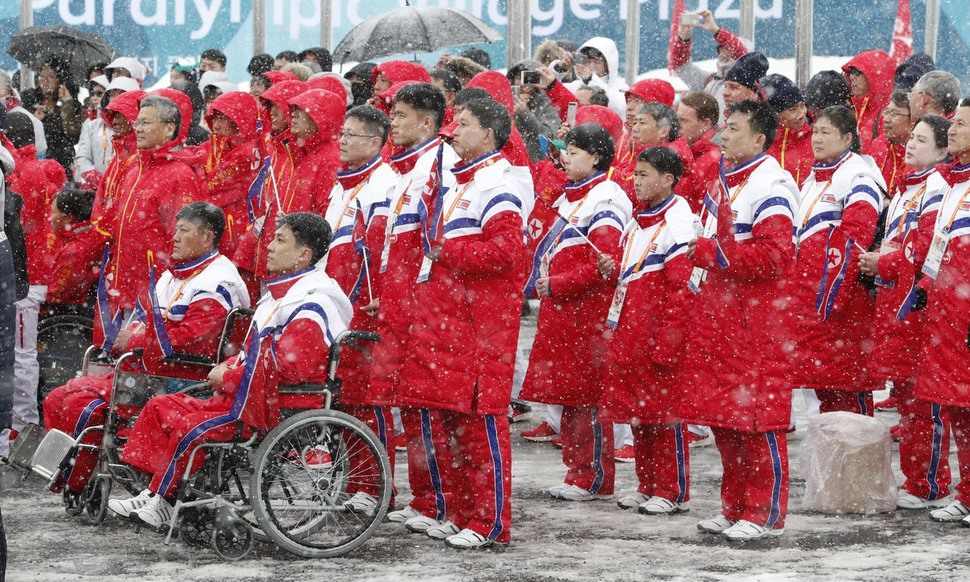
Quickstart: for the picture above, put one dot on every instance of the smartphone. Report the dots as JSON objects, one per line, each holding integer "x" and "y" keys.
{"x": 571, "y": 114}
{"x": 531, "y": 77}
{"x": 690, "y": 18}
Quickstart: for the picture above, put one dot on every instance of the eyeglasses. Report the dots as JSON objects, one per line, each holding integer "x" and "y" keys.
{"x": 144, "y": 122}
{"x": 346, "y": 136}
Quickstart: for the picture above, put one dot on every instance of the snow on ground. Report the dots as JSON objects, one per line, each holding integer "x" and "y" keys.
{"x": 552, "y": 541}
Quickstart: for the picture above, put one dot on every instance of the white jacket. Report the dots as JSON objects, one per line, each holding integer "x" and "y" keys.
{"x": 93, "y": 150}
{"x": 613, "y": 83}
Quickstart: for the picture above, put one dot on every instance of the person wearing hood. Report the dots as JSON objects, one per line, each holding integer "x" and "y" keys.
{"x": 279, "y": 145}
{"x": 898, "y": 331}
{"x": 830, "y": 309}
{"x": 870, "y": 78}
{"x": 150, "y": 192}
{"x": 197, "y": 134}
{"x": 889, "y": 149}
{"x": 655, "y": 125}
{"x": 386, "y": 74}
{"x": 316, "y": 119}
{"x": 793, "y": 146}
{"x": 231, "y": 161}
{"x": 10, "y": 101}
{"x": 55, "y": 103}
{"x": 361, "y": 85}
{"x": 119, "y": 115}
{"x": 126, "y": 67}
{"x": 603, "y": 71}
{"x": 262, "y": 82}
{"x": 742, "y": 81}
{"x": 94, "y": 151}
{"x": 333, "y": 83}
{"x": 730, "y": 48}
{"x": 698, "y": 115}
{"x": 642, "y": 92}
{"x": 37, "y": 182}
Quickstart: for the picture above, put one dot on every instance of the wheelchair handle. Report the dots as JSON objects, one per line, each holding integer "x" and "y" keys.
{"x": 352, "y": 338}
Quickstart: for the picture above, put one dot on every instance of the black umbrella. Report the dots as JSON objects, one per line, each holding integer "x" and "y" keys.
{"x": 33, "y": 46}
{"x": 408, "y": 30}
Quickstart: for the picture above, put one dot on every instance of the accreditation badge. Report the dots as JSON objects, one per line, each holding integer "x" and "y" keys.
{"x": 931, "y": 266}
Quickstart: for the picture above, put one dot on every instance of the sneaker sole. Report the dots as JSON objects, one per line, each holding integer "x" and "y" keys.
{"x": 671, "y": 512}
{"x": 418, "y": 529}
{"x": 770, "y": 535}
{"x": 947, "y": 519}
{"x": 711, "y": 530}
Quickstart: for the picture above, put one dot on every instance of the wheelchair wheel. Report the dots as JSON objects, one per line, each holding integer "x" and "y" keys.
{"x": 61, "y": 342}
{"x": 96, "y": 500}
{"x": 72, "y": 502}
{"x": 195, "y": 526}
{"x": 232, "y": 538}
{"x": 300, "y": 504}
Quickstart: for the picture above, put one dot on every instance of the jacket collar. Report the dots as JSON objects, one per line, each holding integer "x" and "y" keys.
{"x": 957, "y": 173}
{"x": 192, "y": 267}
{"x": 577, "y": 190}
{"x": 350, "y": 177}
{"x": 404, "y": 162}
{"x": 465, "y": 173}
{"x": 279, "y": 286}
{"x": 741, "y": 172}
{"x": 824, "y": 171}
{"x": 649, "y": 216}
{"x": 914, "y": 179}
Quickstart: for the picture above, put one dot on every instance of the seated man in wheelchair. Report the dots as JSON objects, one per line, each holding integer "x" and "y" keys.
{"x": 188, "y": 308}
{"x": 295, "y": 323}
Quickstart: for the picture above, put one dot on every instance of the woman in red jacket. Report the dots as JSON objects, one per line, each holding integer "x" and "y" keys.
{"x": 870, "y": 78}
{"x": 567, "y": 360}
{"x": 898, "y": 329}
{"x": 830, "y": 308}
{"x": 647, "y": 316}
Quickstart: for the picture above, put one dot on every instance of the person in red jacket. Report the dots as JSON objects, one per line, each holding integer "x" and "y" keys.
{"x": 357, "y": 215}
{"x": 732, "y": 372}
{"x": 73, "y": 249}
{"x": 830, "y": 309}
{"x": 288, "y": 342}
{"x": 942, "y": 375}
{"x": 119, "y": 115}
{"x": 898, "y": 329}
{"x": 564, "y": 370}
{"x": 639, "y": 94}
{"x": 870, "y": 77}
{"x": 793, "y": 146}
{"x": 889, "y": 149}
{"x": 465, "y": 332}
{"x": 648, "y": 317}
{"x": 654, "y": 125}
{"x": 317, "y": 117}
{"x": 384, "y": 75}
{"x": 279, "y": 146}
{"x": 149, "y": 195}
{"x": 698, "y": 116}
{"x": 231, "y": 160}
{"x": 197, "y": 293}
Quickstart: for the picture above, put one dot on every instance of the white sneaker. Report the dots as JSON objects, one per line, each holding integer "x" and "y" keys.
{"x": 125, "y": 507}
{"x": 362, "y": 503}
{"x": 631, "y": 500}
{"x": 402, "y": 515}
{"x": 715, "y": 525}
{"x": 156, "y": 513}
{"x": 661, "y": 506}
{"x": 467, "y": 539}
{"x": 420, "y": 523}
{"x": 440, "y": 532}
{"x": 745, "y": 531}
{"x": 955, "y": 511}
{"x": 907, "y": 500}
{"x": 574, "y": 493}
{"x": 965, "y": 522}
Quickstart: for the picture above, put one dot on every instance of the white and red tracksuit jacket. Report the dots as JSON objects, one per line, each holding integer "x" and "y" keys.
{"x": 831, "y": 311}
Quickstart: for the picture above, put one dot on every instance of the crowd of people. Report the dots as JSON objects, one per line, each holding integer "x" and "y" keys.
{"x": 696, "y": 257}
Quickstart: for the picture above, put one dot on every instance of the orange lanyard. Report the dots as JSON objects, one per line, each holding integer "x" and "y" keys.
{"x": 956, "y": 210}
{"x": 353, "y": 196}
{"x": 784, "y": 147}
{"x": 646, "y": 250}
{"x": 914, "y": 202}
{"x": 451, "y": 209}
{"x": 808, "y": 213}
{"x": 124, "y": 210}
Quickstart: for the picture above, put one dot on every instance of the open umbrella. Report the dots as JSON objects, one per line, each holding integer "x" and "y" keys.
{"x": 33, "y": 46}
{"x": 409, "y": 29}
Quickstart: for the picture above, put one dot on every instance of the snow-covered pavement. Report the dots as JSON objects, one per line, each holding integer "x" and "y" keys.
{"x": 552, "y": 541}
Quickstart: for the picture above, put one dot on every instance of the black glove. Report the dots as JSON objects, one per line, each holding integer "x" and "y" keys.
{"x": 920, "y": 302}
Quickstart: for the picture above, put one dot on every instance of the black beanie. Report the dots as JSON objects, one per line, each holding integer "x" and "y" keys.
{"x": 780, "y": 92}
{"x": 19, "y": 128}
{"x": 748, "y": 70}
{"x": 825, "y": 89}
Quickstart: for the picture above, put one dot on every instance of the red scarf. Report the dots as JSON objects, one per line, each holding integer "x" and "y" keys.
{"x": 956, "y": 173}
{"x": 914, "y": 179}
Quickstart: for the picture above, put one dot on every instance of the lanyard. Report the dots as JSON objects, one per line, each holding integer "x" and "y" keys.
{"x": 811, "y": 208}
{"x": 956, "y": 210}
{"x": 351, "y": 198}
{"x": 646, "y": 250}
{"x": 912, "y": 203}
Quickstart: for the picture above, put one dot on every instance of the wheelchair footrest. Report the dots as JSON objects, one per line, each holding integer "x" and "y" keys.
{"x": 22, "y": 449}
{"x": 51, "y": 453}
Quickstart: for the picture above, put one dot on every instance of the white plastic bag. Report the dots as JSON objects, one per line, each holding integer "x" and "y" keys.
{"x": 847, "y": 462}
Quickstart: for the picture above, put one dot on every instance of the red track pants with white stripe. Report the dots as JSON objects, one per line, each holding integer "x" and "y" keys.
{"x": 460, "y": 469}
{"x": 924, "y": 444}
{"x": 755, "y": 483}
{"x": 959, "y": 419}
{"x": 587, "y": 450}
{"x": 662, "y": 461}
{"x": 71, "y": 408}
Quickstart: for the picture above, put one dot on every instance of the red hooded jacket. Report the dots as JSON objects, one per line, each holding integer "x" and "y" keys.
{"x": 879, "y": 68}
{"x": 124, "y": 147}
{"x": 230, "y": 163}
{"x": 397, "y": 71}
{"x": 319, "y": 158}
{"x": 793, "y": 150}
{"x": 37, "y": 182}
{"x": 328, "y": 83}
{"x": 497, "y": 85}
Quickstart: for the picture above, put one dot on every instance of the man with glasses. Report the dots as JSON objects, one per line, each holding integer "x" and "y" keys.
{"x": 357, "y": 214}
{"x": 889, "y": 149}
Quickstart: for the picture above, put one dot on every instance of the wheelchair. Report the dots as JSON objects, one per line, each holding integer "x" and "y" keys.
{"x": 51, "y": 454}
{"x": 262, "y": 486}
{"x": 63, "y": 335}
